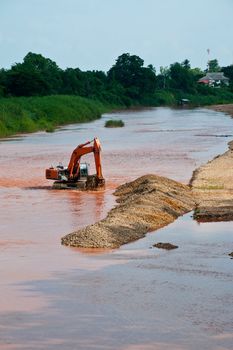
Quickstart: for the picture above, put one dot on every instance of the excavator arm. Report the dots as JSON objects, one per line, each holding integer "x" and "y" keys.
{"x": 97, "y": 150}
{"x": 74, "y": 163}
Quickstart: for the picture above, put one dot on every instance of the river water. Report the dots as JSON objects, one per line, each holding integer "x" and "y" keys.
{"x": 54, "y": 297}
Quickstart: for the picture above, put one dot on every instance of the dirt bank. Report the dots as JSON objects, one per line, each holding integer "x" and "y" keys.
{"x": 146, "y": 204}
{"x": 212, "y": 185}
{"x": 227, "y": 108}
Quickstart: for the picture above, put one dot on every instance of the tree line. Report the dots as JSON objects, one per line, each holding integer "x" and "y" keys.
{"x": 128, "y": 82}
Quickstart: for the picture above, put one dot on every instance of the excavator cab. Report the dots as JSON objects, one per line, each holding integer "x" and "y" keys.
{"x": 84, "y": 170}
{"x": 61, "y": 172}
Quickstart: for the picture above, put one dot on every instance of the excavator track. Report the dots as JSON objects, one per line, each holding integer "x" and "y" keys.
{"x": 91, "y": 183}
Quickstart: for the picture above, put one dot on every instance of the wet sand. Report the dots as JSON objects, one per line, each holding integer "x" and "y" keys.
{"x": 145, "y": 204}
{"x": 54, "y": 297}
{"x": 212, "y": 186}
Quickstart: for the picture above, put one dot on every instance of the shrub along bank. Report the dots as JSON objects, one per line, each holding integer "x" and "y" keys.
{"x": 30, "y": 114}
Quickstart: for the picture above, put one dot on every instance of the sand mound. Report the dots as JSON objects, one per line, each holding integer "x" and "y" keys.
{"x": 146, "y": 204}
{"x": 212, "y": 186}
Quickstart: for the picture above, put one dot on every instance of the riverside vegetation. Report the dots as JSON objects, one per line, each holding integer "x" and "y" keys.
{"x": 114, "y": 124}
{"x": 38, "y": 95}
{"x": 29, "y": 114}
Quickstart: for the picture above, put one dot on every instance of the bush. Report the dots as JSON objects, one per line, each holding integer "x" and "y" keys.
{"x": 114, "y": 124}
{"x": 164, "y": 98}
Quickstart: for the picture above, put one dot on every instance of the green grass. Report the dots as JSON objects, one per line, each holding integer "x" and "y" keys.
{"x": 30, "y": 114}
{"x": 114, "y": 124}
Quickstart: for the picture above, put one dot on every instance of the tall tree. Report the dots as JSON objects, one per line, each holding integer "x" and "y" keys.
{"x": 73, "y": 82}
{"x": 181, "y": 77}
{"x": 37, "y": 75}
{"x": 3, "y": 82}
{"x": 130, "y": 73}
{"x": 228, "y": 72}
{"x": 162, "y": 78}
{"x": 23, "y": 81}
{"x": 213, "y": 66}
{"x": 47, "y": 68}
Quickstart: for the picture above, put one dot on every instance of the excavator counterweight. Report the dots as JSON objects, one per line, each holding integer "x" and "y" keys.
{"x": 76, "y": 174}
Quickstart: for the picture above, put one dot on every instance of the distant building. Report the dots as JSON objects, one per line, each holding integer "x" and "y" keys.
{"x": 214, "y": 79}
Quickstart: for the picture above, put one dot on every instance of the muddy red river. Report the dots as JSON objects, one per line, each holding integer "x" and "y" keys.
{"x": 136, "y": 297}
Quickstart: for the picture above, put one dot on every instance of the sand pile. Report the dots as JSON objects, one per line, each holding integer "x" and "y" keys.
{"x": 213, "y": 188}
{"x": 146, "y": 204}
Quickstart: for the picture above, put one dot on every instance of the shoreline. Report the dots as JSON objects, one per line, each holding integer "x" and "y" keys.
{"x": 212, "y": 186}
{"x": 224, "y": 108}
{"x": 35, "y": 115}
{"x": 212, "y": 183}
{"x": 21, "y": 115}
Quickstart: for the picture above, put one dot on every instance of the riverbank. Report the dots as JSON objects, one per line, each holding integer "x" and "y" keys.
{"x": 146, "y": 204}
{"x": 30, "y": 114}
{"x": 45, "y": 113}
{"x": 225, "y": 108}
{"x": 212, "y": 185}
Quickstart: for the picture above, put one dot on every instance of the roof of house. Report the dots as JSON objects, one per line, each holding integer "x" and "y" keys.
{"x": 214, "y": 76}
{"x": 217, "y": 76}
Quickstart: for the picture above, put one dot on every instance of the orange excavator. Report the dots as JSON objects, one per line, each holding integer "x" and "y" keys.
{"x": 76, "y": 175}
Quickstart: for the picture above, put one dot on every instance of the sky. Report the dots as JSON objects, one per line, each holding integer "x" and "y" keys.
{"x": 91, "y": 34}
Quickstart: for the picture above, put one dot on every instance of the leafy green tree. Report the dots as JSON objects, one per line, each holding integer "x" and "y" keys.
{"x": 73, "y": 82}
{"x": 197, "y": 72}
{"x": 181, "y": 77}
{"x": 228, "y": 72}
{"x": 186, "y": 64}
{"x": 162, "y": 78}
{"x": 126, "y": 70}
{"x": 22, "y": 81}
{"x": 94, "y": 83}
{"x": 37, "y": 75}
{"x": 3, "y": 80}
{"x": 213, "y": 66}
{"x": 130, "y": 73}
{"x": 48, "y": 69}
{"x": 127, "y": 82}
{"x": 87, "y": 84}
